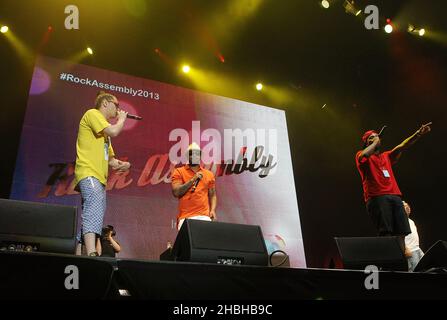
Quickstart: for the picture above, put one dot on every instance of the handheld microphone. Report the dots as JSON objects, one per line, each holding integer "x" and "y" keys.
{"x": 195, "y": 184}
{"x": 134, "y": 117}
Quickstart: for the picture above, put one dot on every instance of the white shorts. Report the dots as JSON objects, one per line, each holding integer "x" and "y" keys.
{"x": 203, "y": 218}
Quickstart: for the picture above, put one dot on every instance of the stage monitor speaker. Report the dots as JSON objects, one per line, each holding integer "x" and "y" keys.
{"x": 40, "y": 227}
{"x": 384, "y": 252}
{"x": 435, "y": 259}
{"x": 219, "y": 242}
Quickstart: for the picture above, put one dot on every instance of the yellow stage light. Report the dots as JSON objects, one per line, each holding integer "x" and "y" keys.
{"x": 186, "y": 68}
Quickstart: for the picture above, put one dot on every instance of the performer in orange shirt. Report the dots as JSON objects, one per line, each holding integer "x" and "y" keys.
{"x": 195, "y": 187}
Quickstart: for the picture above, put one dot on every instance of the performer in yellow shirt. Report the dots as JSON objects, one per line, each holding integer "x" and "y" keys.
{"x": 94, "y": 154}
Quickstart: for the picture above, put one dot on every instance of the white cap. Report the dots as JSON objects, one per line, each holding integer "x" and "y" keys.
{"x": 193, "y": 146}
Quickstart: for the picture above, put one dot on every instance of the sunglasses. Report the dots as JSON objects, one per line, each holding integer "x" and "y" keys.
{"x": 116, "y": 104}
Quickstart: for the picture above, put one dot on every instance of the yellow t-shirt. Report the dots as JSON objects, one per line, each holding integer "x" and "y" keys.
{"x": 93, "y": 148}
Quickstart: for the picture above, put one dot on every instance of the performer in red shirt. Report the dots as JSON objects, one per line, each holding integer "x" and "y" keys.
{"x": 380, "y": 189}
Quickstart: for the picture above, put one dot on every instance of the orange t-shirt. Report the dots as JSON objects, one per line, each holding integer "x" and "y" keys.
{"x": 194, "y": 203}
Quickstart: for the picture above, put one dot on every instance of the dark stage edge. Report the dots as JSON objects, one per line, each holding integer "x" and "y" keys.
{"x": 43, "y": 276}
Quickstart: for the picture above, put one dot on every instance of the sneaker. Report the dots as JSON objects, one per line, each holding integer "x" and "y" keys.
{"x": 93, "y": 254}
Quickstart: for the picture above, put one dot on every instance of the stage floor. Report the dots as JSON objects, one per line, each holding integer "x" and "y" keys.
{"x": 46, "y": 276}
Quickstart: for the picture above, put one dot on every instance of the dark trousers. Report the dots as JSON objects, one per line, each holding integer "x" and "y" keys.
{"x": 388, "y": 215}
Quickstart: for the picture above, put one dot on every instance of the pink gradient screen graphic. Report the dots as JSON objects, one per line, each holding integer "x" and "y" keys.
{"x": 140, "y": 204}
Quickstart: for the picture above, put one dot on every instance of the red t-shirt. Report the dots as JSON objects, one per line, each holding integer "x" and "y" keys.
{"x": 377, "y": 175}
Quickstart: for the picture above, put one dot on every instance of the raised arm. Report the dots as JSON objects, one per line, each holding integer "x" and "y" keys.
{"x": 115, "y": 129}
{"x": 408, "y": 142}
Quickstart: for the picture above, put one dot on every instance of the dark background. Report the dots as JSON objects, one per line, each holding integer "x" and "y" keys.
{"x": 305, "y": 55}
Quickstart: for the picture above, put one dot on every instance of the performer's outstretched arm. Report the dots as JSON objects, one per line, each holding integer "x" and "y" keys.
{"x": 397, "y": 150}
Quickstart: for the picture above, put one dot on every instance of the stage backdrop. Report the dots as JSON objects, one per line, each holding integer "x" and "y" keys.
{"x": 254, "y": 183}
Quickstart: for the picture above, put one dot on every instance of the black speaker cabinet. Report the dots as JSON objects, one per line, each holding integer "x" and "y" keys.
{"x": 434, "y": 259}
{"x": 219, "y": 242}
{"x": 39, "y": 227}
{"x": 384, "y": 252}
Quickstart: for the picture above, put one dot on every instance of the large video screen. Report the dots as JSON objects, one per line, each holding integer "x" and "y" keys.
{"x": 245, "y": 145}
